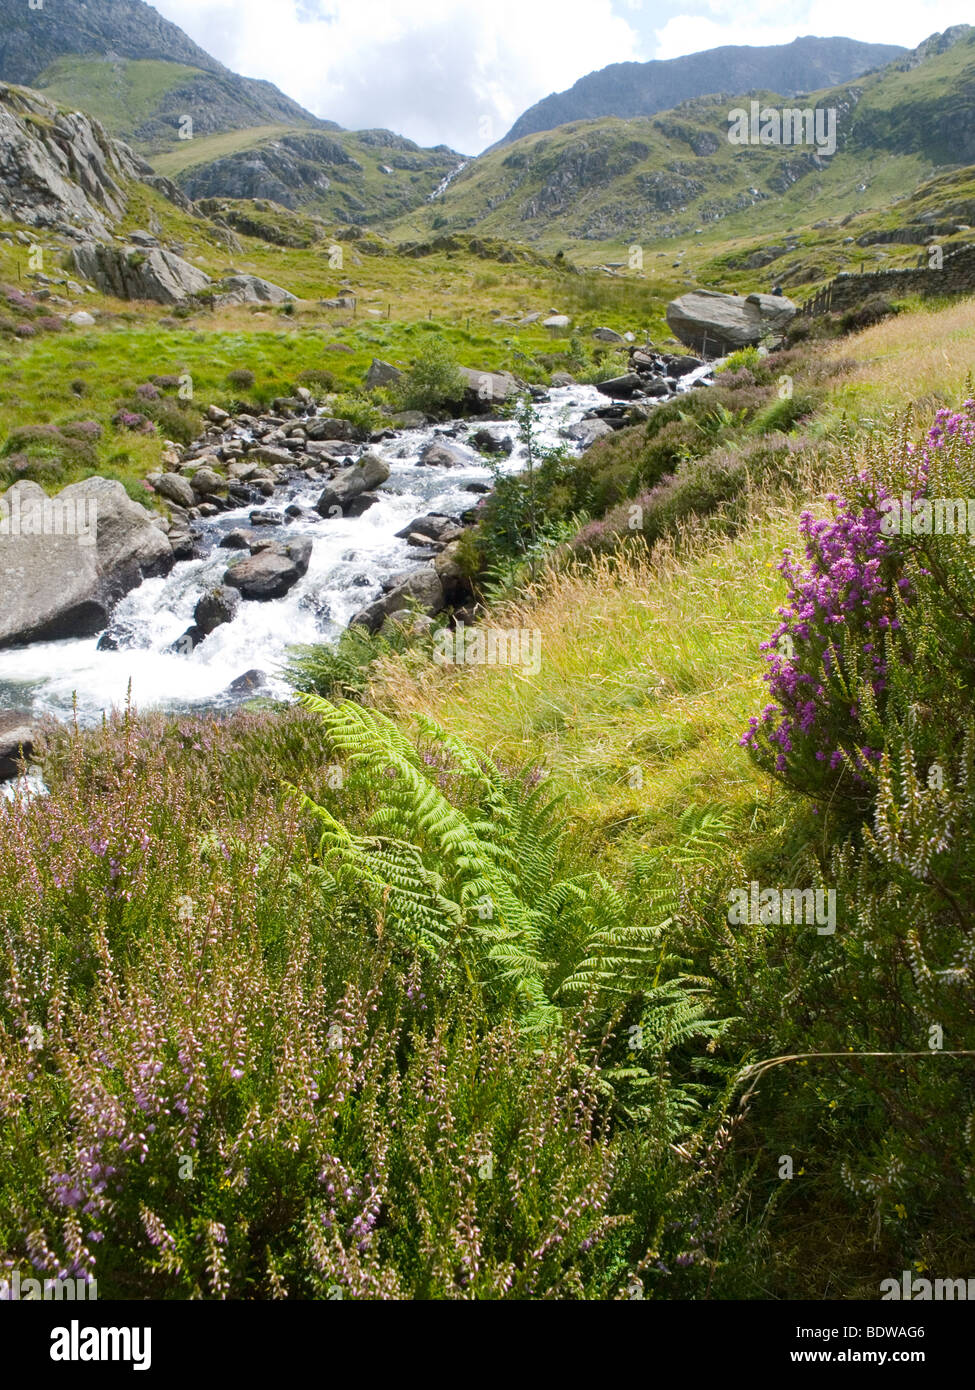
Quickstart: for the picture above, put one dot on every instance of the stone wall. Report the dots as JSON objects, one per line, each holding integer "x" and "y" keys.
{"x": 956, "y": 276}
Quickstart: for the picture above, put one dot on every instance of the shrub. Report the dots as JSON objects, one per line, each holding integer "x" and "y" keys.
{"x": 433, "y": 382}
{"x": 44, "y": 453}
{"x": 317, "y": 377}
{"x": 743, "y": 358}
{"x": 865, "y": 635}
{"x": 241, "y": 378}
{"x": 873, "y": 310}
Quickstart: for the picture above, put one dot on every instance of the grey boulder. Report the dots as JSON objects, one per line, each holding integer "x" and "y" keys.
{"x": 133, "y": 272}
{"x": 66, "y": 561}
{"x": 16, "y": 741}
{"x": 714, "y": 323}
{"x": 215, "y": 608}
{"x": 369, "y": 473}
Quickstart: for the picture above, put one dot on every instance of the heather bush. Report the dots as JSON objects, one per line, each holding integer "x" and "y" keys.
{"x": 871, "y": 628}
{"x": 873, "y": 721}
{"x": 260, "y": 1045}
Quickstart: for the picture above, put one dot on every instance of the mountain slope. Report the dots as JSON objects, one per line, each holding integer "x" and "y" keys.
{"x": 81, "y": 50}
{"x": 643, "y": 89}
{"x": 677, "y": 174}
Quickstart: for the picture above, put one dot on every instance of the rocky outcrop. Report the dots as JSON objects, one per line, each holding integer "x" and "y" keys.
{"x": 250, "y": 289}
{"x": 58, "y": 168}
{"x": 362, "y": 477}
{"x": 61, "y": 169}
{"x": 65, "y": 561}
{"x": 136, "y": 272}
{"x": 715, "y": 323}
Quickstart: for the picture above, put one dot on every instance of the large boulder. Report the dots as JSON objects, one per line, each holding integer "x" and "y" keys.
{"x": 715, "y": 323}
{"x": 368, "y": 473}
{"x": 135, "y": 272}
{"x": 268, "y": 574}
{"x": 65, "y": 561}
{"x": 175, "y": 488}
{"x": 488, "y": 388}
{"x": 16, "y": 741}
{"x": 381, "y": 374}
{"x": 421, "y": 586}
{"x": 250, "y": 289}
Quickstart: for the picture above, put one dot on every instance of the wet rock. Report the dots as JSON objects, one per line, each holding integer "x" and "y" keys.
{"x": 17, "y": 738}
{"x": 621, "y": 385}
{"x": 586, "y": 432}
{"x": 215, "y": 608}
{"x": 369, "y": 473}
{"x": 176, "y": 488}
{"x": 441, "y": 453}
{"x": 268, "y": 574}
{"x": 361, "y": 504}
{"x": 266, "y": 518}
{"x": 65, "y": 582}
{"x": 248, "y": 683}
{"x": 240, "y": 538}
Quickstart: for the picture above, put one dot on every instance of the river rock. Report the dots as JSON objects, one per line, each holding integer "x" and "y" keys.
{"x": 586, "y": 432}
{"x": 176, "y": 488}
{"x": 453, "y": 578}
{"x": 422, "y": 586}
{"x": 248, "y": 682}
{"x": 621, "y": 385}
{"x": 369, "y": 473}
{"x": 441, "y": 453}
{"x": 331, "y": 427}
{"x": 266, "y": 518}
{"x": 714, "y": 323}
{"x": 267, "y": 575}
{"x": 99, "y": 545}
{"x": 206, "y": 482}
{"x": 433, "y": 526}
{"x": 361, "y": 504}
{"x": 16, "y": 741}
{"x": 215, "y": 608}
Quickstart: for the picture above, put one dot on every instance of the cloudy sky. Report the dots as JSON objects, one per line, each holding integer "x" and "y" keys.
{"x": 459, "y": 72}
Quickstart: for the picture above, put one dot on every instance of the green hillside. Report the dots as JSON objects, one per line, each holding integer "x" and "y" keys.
{"x": 677, "y": 175}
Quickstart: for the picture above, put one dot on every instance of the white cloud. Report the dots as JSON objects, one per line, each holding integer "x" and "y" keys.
{"x": 456, "y": 72}
{"x": 717, "y": 22}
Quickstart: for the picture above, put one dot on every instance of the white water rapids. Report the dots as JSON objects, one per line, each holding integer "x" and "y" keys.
{"x": 350, "y": 558}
